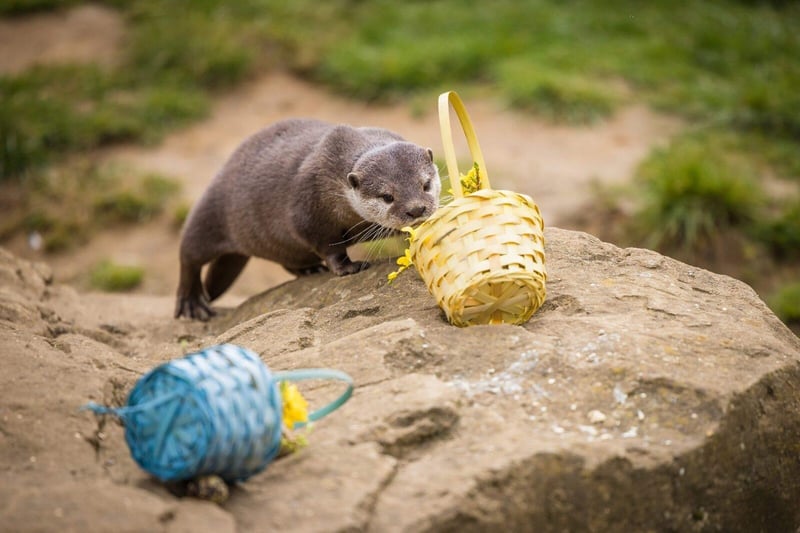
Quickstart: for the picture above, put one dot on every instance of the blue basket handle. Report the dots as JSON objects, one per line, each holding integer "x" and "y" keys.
{"x": 124, "y": 411}
{"x": 319, "y": 373}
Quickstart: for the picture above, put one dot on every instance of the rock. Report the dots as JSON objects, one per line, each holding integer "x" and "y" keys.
{"x": 192, "y": 515}
{"x": 93, "y": 505}
{"x": 645, "y": 394}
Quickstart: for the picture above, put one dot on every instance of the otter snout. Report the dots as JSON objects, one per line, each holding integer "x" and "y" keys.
{"x": 416, "y": 211}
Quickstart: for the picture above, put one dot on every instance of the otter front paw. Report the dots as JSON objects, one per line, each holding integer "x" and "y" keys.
{"x": 307, "y": 271}
{"x": 195, "y": 307}
{"x": 341, "y": 265}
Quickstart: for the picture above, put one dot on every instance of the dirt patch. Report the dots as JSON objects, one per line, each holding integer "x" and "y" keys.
{"x": 84, "y": 34}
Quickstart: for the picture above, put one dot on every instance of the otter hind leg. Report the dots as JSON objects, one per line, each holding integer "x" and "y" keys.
{"x": 222, "y": 272}
{"x": 192, "y": 301}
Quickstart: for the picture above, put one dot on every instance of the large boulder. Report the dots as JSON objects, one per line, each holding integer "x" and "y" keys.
{"x": 645, "y": 394}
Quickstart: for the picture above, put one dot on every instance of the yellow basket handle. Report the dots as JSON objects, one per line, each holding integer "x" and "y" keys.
{"x": 445, "y": 101}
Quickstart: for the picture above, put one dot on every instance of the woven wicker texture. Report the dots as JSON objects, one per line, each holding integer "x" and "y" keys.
{"x": 481, "y": 256}
{"x": 214, "y": 412}
{"x": 217, "y": 411}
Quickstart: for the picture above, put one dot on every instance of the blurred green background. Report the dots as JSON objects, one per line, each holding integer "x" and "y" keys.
{"x": 729, "y": 68}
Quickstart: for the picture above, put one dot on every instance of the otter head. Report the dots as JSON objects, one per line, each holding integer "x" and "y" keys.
{"x": 396, "y": 185}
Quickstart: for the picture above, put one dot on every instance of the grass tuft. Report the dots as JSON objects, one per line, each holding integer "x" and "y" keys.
{"x": 785, "y": 302}
{"x": 135, "y": 204}
{"x": 782, "y": 233}
{"x": 558, "y": 96}
{"x": 66, "y": 205}
{"x": 693, "y": 192}
{"x": 54, "y": 110}
{"x": 112, "y": 277}
{"x": 179, "y": 214}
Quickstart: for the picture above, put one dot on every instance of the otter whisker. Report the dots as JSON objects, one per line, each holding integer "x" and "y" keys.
{"x": 370, "y": 233}
{"x": 378, "y": 233}
{"x": 374, "y": 234}
{"x": 354, "y": 226}
{"x": 358, "y": 237}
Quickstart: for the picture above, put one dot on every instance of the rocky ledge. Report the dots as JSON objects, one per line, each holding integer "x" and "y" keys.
{"x": 645, "y": 394}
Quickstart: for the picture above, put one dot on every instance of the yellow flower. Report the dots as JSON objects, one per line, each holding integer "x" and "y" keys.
{"x": 404, "y": 260}
{"x": 412, "y": 233}
{"x": 295, "y": 407}
{"x": 472, "y": 181}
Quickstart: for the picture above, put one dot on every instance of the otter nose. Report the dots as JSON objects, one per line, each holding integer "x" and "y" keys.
{"x": 416, "y": 212}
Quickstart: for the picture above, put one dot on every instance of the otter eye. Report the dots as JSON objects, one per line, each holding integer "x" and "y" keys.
{"x": 427, "y": 186}
{"x": 388, "y": 198}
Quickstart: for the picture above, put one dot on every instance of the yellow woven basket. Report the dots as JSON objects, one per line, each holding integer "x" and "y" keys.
{"x": 482, "y": 255}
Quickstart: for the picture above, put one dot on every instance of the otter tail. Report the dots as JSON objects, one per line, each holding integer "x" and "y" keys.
{"x": 222, "y": 272}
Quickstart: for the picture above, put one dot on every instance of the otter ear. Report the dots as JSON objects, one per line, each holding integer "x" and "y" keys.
{"x": 430, "y": 154}
{"x": 353, "y": 180}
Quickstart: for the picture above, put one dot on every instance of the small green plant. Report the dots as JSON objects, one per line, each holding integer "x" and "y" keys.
{"x": 556, "y": 94}
{"x": 782, "y": 234}
{"x": 785, "y": 302}
{"x": 112, "y": 277}
{"x": 692, "y": 191}
{"x": 66, "y": 205}
{"x": 52, "y": 110}
{"x": 207, "y": 46}
{"x": 179, "y": 214}
{"x": 140, "y": 202}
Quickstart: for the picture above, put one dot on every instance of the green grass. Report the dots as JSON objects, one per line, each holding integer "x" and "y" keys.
{"x": 785, "y": 302}
{"x": 68, "y": 204}
{"x": 725, "y": 63}
{"x": 56, "y": 110}
{"x": 718, "y": 60}
{"x": 212, "y": 45}
{"x": 138, "y": 203}
{"x": 111, "y": 277}
{"x": 560, "y": 97}
{"x": 173, "y": 60}
{"x": 692, "y": 191}
{"x": 179, "y": 214}
{"x": 781, "y": 234}
{"x": 729, "y": 67}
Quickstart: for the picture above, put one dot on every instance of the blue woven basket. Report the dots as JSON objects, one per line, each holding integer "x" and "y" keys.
{"x": 218, "y": 411}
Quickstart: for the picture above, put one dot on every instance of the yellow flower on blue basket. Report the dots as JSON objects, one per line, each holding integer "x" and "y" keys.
{"x": 295, "y": 407}
{"x": 405, "y": 260}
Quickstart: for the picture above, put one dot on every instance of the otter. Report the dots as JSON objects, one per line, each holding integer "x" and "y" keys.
{"x": 293, "y": 193}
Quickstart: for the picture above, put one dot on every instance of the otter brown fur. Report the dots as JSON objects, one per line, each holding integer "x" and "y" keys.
{"x": 291, "y": 193}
